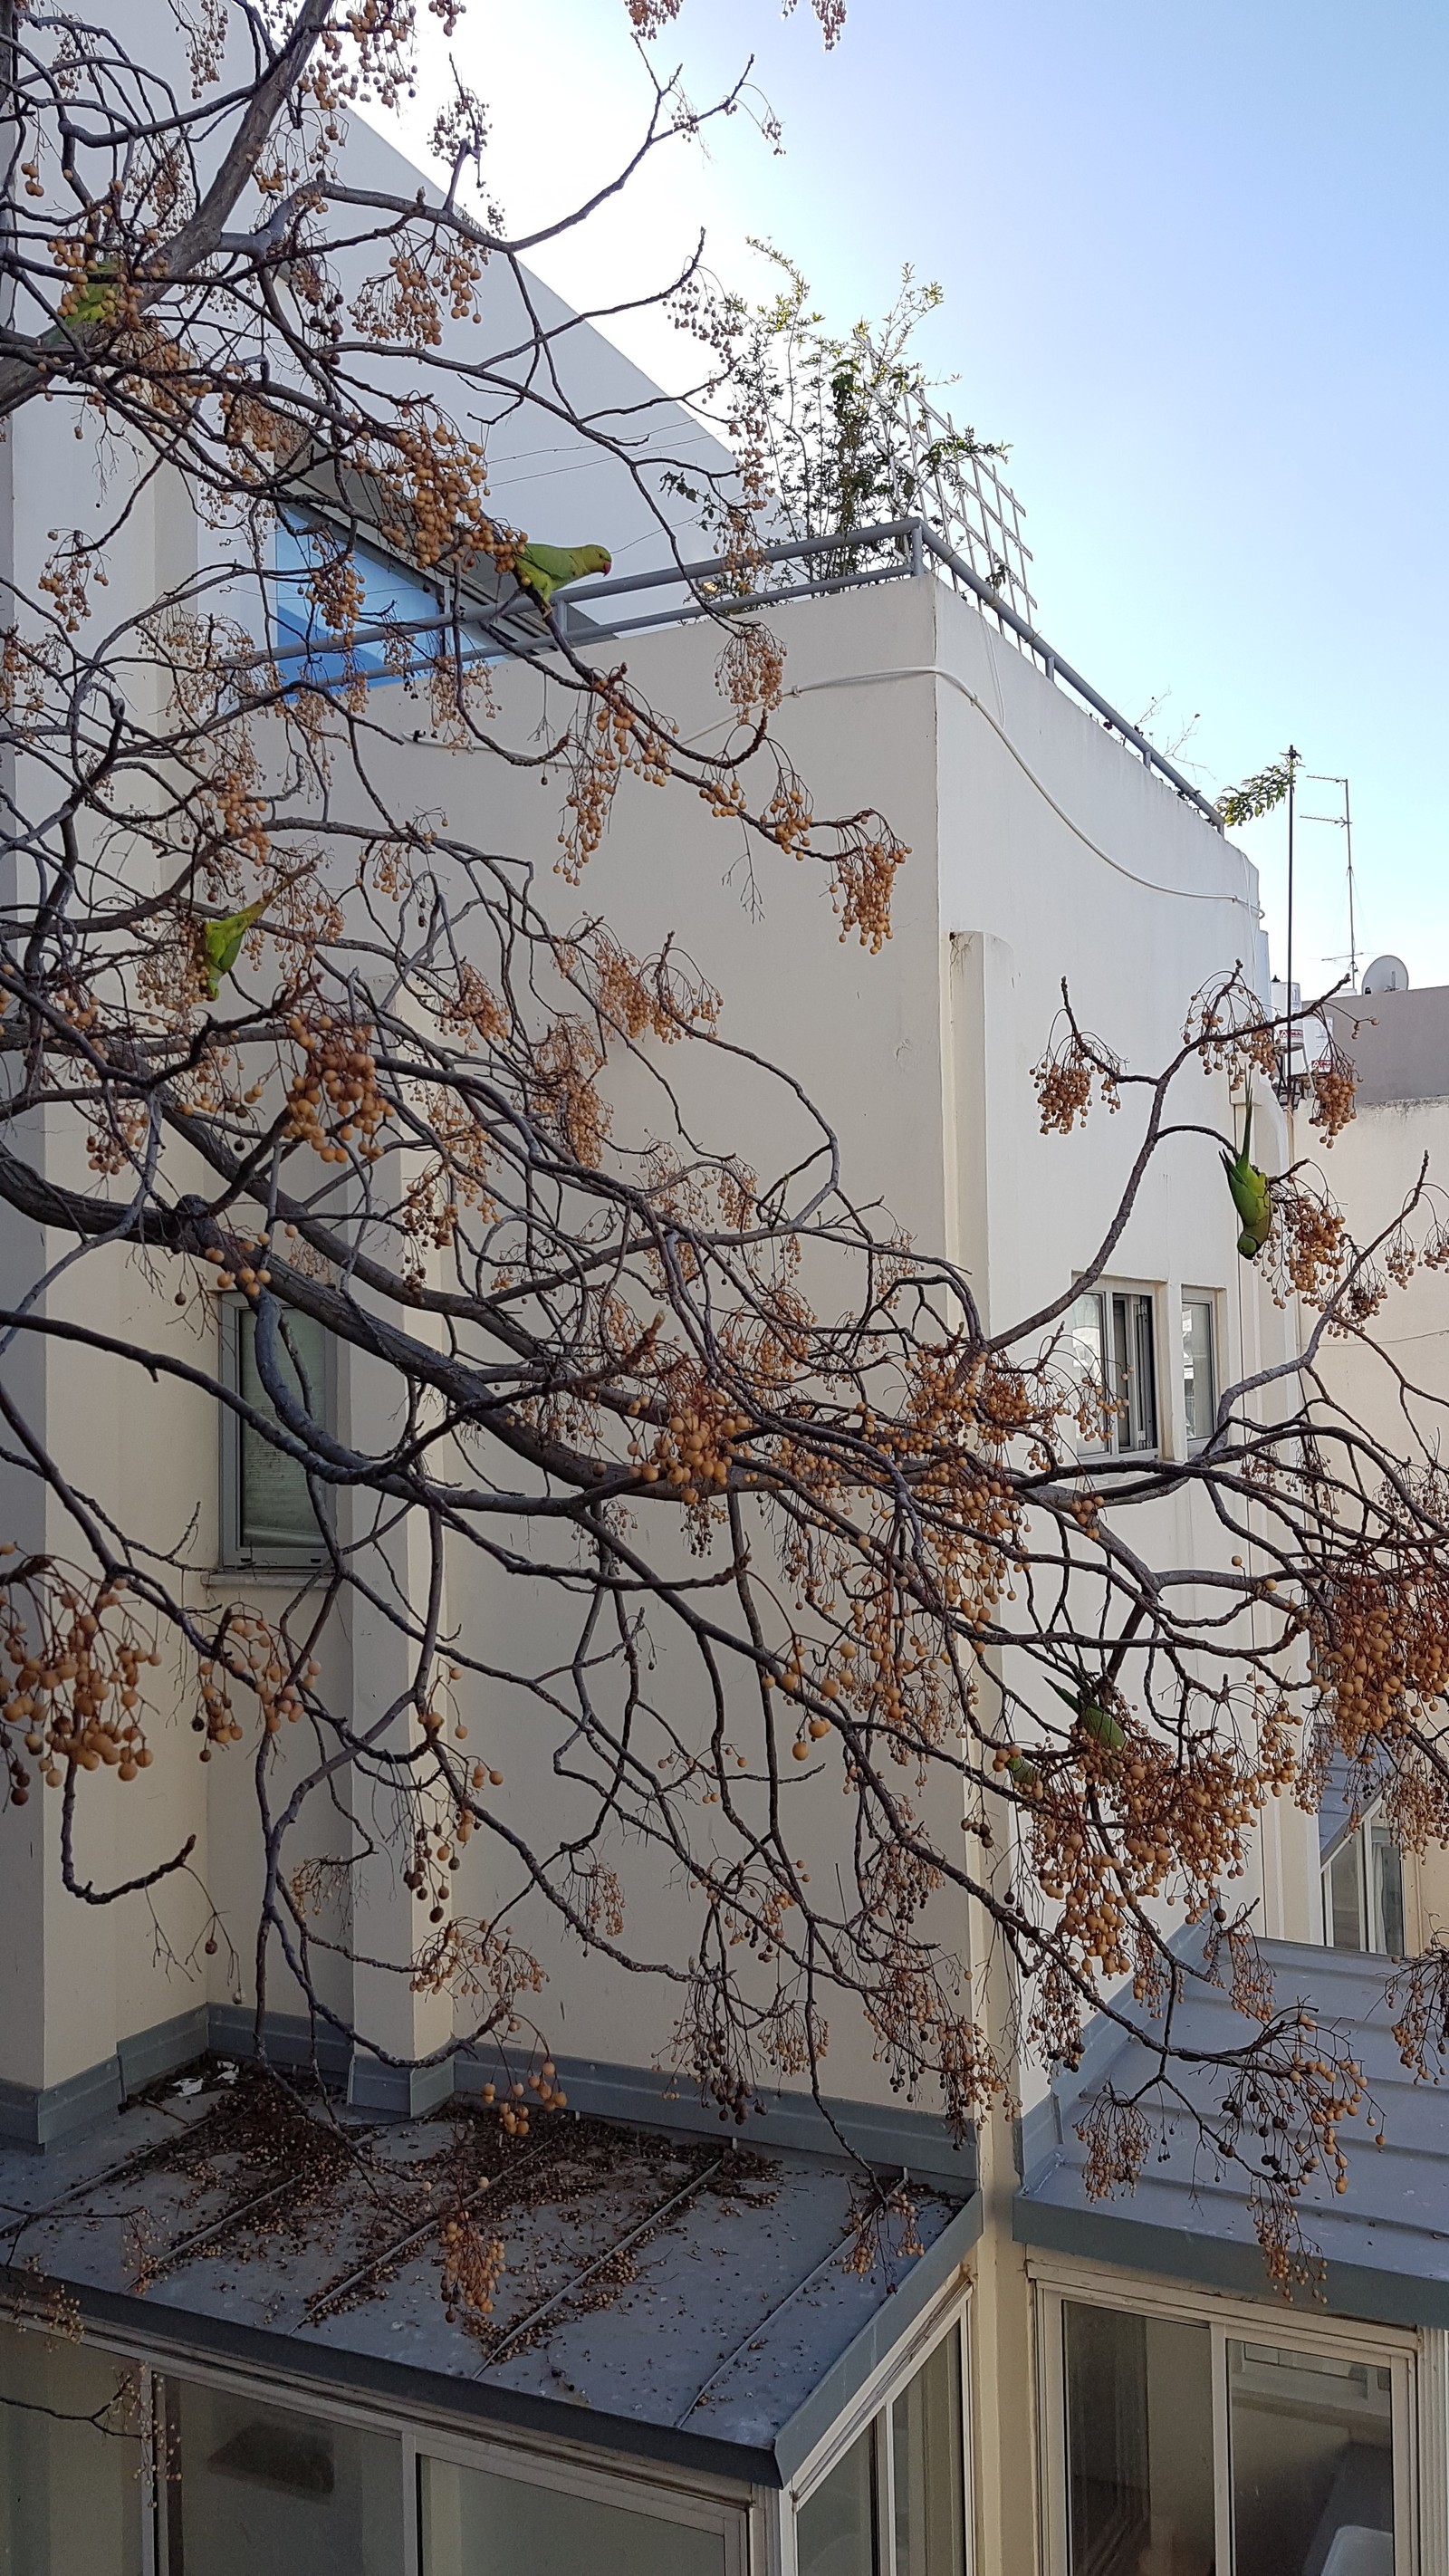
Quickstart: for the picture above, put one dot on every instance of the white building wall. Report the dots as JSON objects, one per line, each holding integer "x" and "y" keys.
{"x": 1039, "y": 848}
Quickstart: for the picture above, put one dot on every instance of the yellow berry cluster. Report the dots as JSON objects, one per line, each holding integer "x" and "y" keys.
{"x": 333, "y": 1100}
{"x": 73, "y": 1694}
{"x": 252, "y": 1656}
{"x": 694, "y": 1450}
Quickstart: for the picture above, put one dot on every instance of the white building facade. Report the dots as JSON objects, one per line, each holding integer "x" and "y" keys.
{"x": 1032, "y": 2385}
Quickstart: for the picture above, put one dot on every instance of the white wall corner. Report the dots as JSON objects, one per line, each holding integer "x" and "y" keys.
{"x": 982, "y": 1111}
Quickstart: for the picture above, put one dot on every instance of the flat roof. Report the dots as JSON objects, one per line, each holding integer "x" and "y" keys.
{"x": 660, "y": 2295}
{"x": 1384, "y": 2242}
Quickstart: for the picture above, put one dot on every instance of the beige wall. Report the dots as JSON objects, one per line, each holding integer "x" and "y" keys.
{"x": 1397, "y": 1384}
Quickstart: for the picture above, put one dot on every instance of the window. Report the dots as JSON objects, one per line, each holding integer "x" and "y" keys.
{"x": 1139, "y": 2442}
{"x": 1199, "y": 1372}
{"x": 254, "y": 2488}
{"x": 267, "y": 1513}
{"x": 895, "y": 2503}
{"x": 1363, "y": 1891}
{"x": 475, "y": 2523}
{"x": 1312, "y": 2447}
{"x": 1186, "y": 2448}
{"x": 389, "y": 591}
{"x": 1112, "y": 1352}
{"x": 110, "y": 2469}
{"x": 72, "y": 2458}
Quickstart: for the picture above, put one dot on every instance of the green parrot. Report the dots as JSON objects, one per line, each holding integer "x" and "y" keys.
{"x": 1249, "y": 1187}
{"x": 221, "y": 943}
{"x": 1093, "y": 1719}
{"x": 1022, "y": 1774}
{"x": 545, "y": 569}
{"x": 97, "y": 299}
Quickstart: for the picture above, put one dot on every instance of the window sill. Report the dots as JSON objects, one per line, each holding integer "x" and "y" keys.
{"x": 294, "y": 1578}
{"x": 1091, "y": 1461}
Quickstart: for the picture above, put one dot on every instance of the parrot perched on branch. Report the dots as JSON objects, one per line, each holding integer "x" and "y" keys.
{"x": 545, "y": 569}
{"x": 96, "y": 300}
{"x": 1251, "y": 1198}
{"x": 1093, "y": 1719}
{"x": 221, "y": 943}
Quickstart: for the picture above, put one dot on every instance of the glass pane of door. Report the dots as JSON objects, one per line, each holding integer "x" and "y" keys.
{"x": 1139, "y": 2444}
{"x": 1312, "y": 2444}
{"x": 260, "y": 2491}
{"x": 476, "y": 2524}
{"x": 927, "y": 2467}
{"x": 835, "y": 2529}
{"x": 71, "y": 2465}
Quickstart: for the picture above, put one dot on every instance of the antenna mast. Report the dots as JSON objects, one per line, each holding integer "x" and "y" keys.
{"x": 1343, "y": 823}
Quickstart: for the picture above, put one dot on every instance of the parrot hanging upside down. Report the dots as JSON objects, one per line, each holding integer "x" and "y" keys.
{"x": 221, "y": 943}
{"x": 1251, "y": 1197}
{"x": 545, "y": 569}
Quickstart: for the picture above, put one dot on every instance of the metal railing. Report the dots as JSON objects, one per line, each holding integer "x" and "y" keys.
{"x": 919, "y": 546}
{"x": 512, "y": 628}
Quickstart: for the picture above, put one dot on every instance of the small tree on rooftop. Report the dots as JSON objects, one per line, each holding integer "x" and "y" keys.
{"x": 826, "y": 416}
{"x": 360, "y": 1068}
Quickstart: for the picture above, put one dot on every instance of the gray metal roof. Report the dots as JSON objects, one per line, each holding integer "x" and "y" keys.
{"x": 1385, "y": 2241}
{"x": 661, "y": 2295}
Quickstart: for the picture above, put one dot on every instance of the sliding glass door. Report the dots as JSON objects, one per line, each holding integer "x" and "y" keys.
{"x": 1181, "y": 2445}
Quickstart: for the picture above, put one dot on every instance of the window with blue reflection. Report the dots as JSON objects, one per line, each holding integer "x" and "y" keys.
{"x": 311, "y": 656}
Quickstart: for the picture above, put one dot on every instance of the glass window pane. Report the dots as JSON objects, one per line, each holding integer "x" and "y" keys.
{"x": 1312, "y": 2464}
{"x": 476, "y": 2524}
{"x": 926, "y": 2467}
{"x": 1121, "y": 1362}
{"x": 1089, "y": 1360}
{"x": 835, "y": 2532}
{"x": 1134, "y": 1372}
{"x": 388, "y": 592}
{"x": 263, "y": 2490}
{"x": 1142, "y": 1383}
{"x": 276, "y": 1515}
{"x": 70, "y": 2460}
{"x": 1139, "y": 2444}
{"x": 1386, "y": 1869}
{"x": 1199, "y": 1377}
{"x": 1343, "y": 1882}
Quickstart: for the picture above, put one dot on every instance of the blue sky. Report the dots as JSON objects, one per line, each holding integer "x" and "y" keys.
{"x": 1195, "y": 271}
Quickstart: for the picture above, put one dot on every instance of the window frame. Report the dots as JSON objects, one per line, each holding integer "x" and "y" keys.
{"x": 319, "y": 659}
{"x": 233, "y": 1556}
{"x": 871, "y": 2414}
{"x": 1146, "y": 1294}
{"x": 1400, "y": 2350}
{"x": 1193, "y": 1441}
{"x": 628, "y": 2492}
{"x": 693, "y": 2498}
{"x": 1360, "y": 1841}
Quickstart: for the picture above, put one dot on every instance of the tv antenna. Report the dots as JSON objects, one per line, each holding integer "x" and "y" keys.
{"x": 1343, "y": 822}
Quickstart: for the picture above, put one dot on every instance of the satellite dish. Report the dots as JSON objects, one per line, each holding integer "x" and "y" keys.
{"x": 1386, "y": 975}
